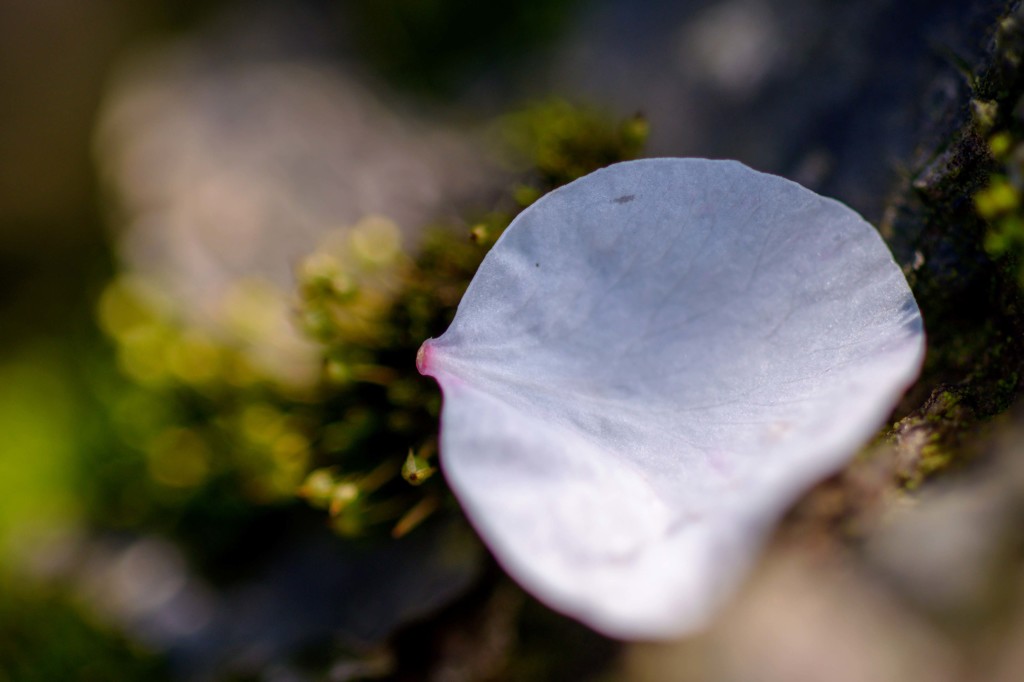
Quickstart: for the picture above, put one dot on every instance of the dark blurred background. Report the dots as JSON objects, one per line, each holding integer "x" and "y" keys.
{"x": 196, "y": 151}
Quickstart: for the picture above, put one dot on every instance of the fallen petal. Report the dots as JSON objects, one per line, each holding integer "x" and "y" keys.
{"x": 649, "y": 367}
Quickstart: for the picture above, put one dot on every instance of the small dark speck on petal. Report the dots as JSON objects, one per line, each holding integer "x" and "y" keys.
{"x": 625, "y": 199}
{"x": 536, "y": 265}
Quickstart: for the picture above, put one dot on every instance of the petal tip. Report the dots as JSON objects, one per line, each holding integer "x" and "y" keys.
{"x": 423, "y": 359}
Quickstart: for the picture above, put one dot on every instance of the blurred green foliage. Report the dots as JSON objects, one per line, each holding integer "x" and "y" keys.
{"x": 43, "y": 637}
{"x": 39, "y": 417}
{"x": 358, "y": 441}
{"x": 181, "y": 434}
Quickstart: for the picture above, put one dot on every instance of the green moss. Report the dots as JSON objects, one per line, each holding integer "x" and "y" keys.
{"x": 958, "y": 225}
{"x": 359, "y": 440}
{"x": 929, "y": 440}
{"x": 562, "y": 142}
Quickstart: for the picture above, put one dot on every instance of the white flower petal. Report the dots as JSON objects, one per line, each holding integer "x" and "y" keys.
{"x": 651, "y": 364}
